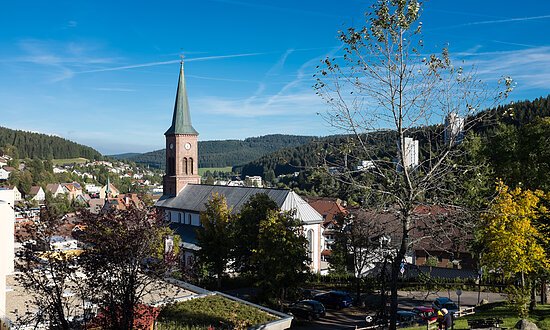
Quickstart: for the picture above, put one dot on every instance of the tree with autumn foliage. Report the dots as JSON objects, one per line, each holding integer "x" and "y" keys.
{"x": 126, "y": 257}
{"x": 512, "y": 237}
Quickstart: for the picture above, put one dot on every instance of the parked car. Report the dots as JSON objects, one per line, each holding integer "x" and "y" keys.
{"x": 408, "y": 318}
{"x": 444, "y": 302}
{"x": 335, "y": 299}
{"x": 307, "y": 309}
{"x": 428, "y": 314}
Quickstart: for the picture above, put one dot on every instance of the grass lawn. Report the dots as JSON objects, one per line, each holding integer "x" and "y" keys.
{"x": 216, "y": 311}
{"x": 541, "y": 316}
{"x": 64, "y": 161}
{"x": 202, "y": 170}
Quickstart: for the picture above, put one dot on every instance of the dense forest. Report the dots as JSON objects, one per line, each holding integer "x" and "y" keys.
{"x": 22, "y": 144}
{"x": 513, "y": 141}
{"x": 223, "y": 153}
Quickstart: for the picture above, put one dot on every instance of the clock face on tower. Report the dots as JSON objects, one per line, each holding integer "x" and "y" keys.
{"x": 188, "y": 146}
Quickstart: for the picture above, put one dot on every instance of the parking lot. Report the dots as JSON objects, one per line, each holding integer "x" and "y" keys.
{"x": 349, "y": 318}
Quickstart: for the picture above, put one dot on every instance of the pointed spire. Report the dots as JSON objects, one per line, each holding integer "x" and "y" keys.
{"x": 181, "y": 119}
{"x": 108, "y": 189}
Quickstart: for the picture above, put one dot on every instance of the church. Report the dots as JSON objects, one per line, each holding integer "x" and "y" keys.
{"x": 184, "y": 197}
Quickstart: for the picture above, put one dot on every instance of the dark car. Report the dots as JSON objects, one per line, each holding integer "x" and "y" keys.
{"x": 307, "y": 309}
{"x": 335, "y": 299}
{"x": 408, "y": 318}
{"x": 444, "y": 302}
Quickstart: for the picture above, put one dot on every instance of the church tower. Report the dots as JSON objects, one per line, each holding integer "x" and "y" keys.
{"x": 181, "y": 145}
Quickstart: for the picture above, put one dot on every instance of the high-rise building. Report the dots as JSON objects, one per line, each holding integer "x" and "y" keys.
{"x": 454, "y": 128}
{"x": 411, "y": 152}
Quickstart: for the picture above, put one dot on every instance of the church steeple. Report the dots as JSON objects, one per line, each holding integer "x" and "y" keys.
{"x": 182, "y": 147}
{"x": 181, "y": 119}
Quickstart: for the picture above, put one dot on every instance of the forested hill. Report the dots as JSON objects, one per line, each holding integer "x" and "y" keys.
{"x": 22, "y": 144}
{"x": 512, "y": 120}
{"x": 223, "y": 153}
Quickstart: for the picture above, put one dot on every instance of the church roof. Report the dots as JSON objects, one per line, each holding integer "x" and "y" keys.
{"x": 194, "y": 197}
{"x": 181, "y": 119}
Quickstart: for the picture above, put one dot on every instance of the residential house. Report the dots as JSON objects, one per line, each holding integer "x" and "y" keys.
{"x": 16, "y": 193}
{"x": 37, "y": 194}
{"x": 92, "y": 188}
{"x": 124, "y": 202}
{"x": 329, "y": 209}
{"x": 436, "y": 233}
{"x": 73, "y": 189}
{"x": 56, "y": 189}
{"x": 5, "y": 172}
{"x": 184, "y": 197}
{"x": 57, "y": 170}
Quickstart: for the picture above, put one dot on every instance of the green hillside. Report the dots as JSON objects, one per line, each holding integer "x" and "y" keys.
{"x": 514, "y": 141}
{"x": 22, "y": 144}
{"x": 223, "y": 153}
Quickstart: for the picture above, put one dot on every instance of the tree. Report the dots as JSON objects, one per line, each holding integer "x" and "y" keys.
{"x": 365, "y": 241}
{"x": 129, "y": 251}
{"x": 386, "y": 83}
{"x": 49, "y": 276}
{"x": 510, "y": 236}
{"x": 281, "y": 257}
{"x": 214, "y": 238}
{"x": 247, "y": 230}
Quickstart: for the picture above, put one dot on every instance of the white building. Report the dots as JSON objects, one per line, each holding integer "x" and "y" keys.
{"x": 4, "y": 175}
{"x": 7, "y": 245}
{"x": 92, "y": 188}
{"x": 411, "y": 152}
{"x": 256, "y": 180}
{"x": 454, "y": 128}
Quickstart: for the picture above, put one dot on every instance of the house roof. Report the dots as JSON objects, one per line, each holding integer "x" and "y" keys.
{"x": 34, "y": 190}
{"x": 8, "y": 168}
{"x": 329, "y": 208}
{"x": 193, "y": 197}
{"x": 53, "y": 187}
{"x": 181, "y": 119}
{"x": 435, "y": 228}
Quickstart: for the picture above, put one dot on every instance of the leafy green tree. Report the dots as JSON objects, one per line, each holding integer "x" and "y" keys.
{"x": 247, "y": 229}
{"x": 281, "y": 257}
{"x": 214, "y": 237}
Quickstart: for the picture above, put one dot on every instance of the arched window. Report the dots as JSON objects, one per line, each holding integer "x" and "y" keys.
{"x": 191, "y": 165}
{"x": 310, "y": 244}
{"x": 185, "y": 165}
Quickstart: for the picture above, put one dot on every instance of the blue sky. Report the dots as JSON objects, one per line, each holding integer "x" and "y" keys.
{"x": 104, "y": 73}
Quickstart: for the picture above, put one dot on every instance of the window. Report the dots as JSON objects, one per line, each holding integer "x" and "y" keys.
{"x": 185, "y": 165}
{"x": 310, "y": 243}
{"x": 179, "y": 217}
{"x": 191, "y": 165}
{"x": 189, "y": 218}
